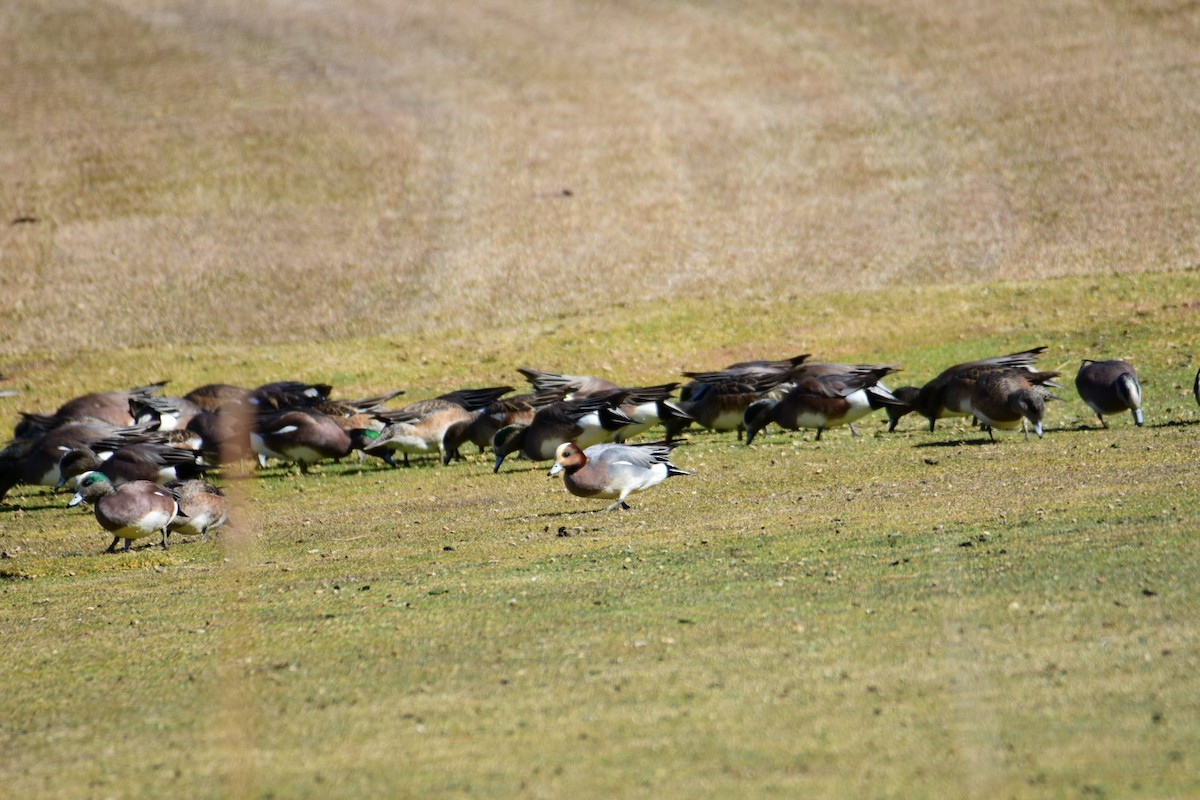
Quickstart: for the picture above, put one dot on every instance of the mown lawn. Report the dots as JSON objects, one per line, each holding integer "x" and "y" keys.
{"x": 899, "y": 615}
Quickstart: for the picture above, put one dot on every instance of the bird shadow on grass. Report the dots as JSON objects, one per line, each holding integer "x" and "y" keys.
{"x": 42, "y": 503}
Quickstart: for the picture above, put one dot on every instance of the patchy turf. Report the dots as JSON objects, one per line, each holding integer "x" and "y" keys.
{"x": 914, "y": 614}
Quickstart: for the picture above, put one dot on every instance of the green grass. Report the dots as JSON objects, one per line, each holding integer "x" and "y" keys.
{"x": 897, "y": 615}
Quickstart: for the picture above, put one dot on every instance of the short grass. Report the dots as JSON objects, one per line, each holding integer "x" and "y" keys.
{"x": 905, "y": 615}
{"x": 426, "y": 195}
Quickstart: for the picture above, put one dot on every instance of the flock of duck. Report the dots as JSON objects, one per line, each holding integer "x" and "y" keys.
{"x": 143, "y": 460}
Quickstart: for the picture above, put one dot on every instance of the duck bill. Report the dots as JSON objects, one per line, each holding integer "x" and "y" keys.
{"x": 557, "y": 468}
{"x": 76, "y": 500}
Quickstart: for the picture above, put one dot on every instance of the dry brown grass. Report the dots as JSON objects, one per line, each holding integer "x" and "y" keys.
{"x": 217, "y": 171}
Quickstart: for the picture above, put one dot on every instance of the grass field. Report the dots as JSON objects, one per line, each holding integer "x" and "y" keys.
{"x": 429, "y": 195}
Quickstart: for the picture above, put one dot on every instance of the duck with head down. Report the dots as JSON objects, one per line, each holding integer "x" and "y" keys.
{"x": 1012, "y": 398}
{"x": 419, "y": 428}
{"x": 821, "y": 401}
{"x": 587, "y": 421}
{"x": 1110, "y": 387}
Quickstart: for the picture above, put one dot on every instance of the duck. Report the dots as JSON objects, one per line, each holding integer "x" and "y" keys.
{"x": 130, "y": 511}
{"x": 281, "y": 395}
{"x": 587, "y": 421}
{"x": 1196, "y": 387}
{"x": 419, "y": 428}
{"x": 647, "y": 406}
{"x": 158, "y": 463}
{"x": 821, "y": 400}
{"x": 719, "y": 403}
{"x": 202, "y": 508}
{"x": 949, "y": 394}
{"x": 35, "y": 462}
{"x": 304, "y": 436}
{"x": 106, "y": 408}
{"x": 1110, "y": 387}
{"x": 1011, "y": 398}
{"x": 481, "y": 428}
{"x": 611, "y": 470}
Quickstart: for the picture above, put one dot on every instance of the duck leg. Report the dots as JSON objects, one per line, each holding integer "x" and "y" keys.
{"x": 112, "y": 548}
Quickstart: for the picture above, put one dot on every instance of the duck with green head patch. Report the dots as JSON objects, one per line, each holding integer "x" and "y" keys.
{"x": 131, "y": 511}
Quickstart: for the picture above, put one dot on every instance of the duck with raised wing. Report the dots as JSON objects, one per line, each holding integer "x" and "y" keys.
{"x": 611, "y": 471}
{"x": 1110, "y": 387}
{"x": 587, "y": 421}
{"x": 131, "y": 511}
{"x": 1012, "y": 398}
{"x": 821, "y": 401}
{"x": 202, "y": 508}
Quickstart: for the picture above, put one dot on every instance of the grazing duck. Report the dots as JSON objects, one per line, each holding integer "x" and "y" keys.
{"x": 110, "y": 407}
{"x": 588, "y": 421}
{"x": 821, "y": 401}
{"x": 303, "y": 435}
{"x": 1110, "y": 387}
{"x": 613, "y": 470}
{"x": 130, "y": 511}
{"x": 202, "y": 508}
{"x": 139, "y": 461}
{"x": 105, "y": 408}
{"x": 419, "y": 428}
{"x": 481, "y": 428}
{"x": 719, "y": 404}
{"x": 35, "y": 462}
{"x": 648, "y": 406}
{"x": 1009, "y": 398}
{"x": 907, "y": 395}
{"x": 949, "y": 394}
